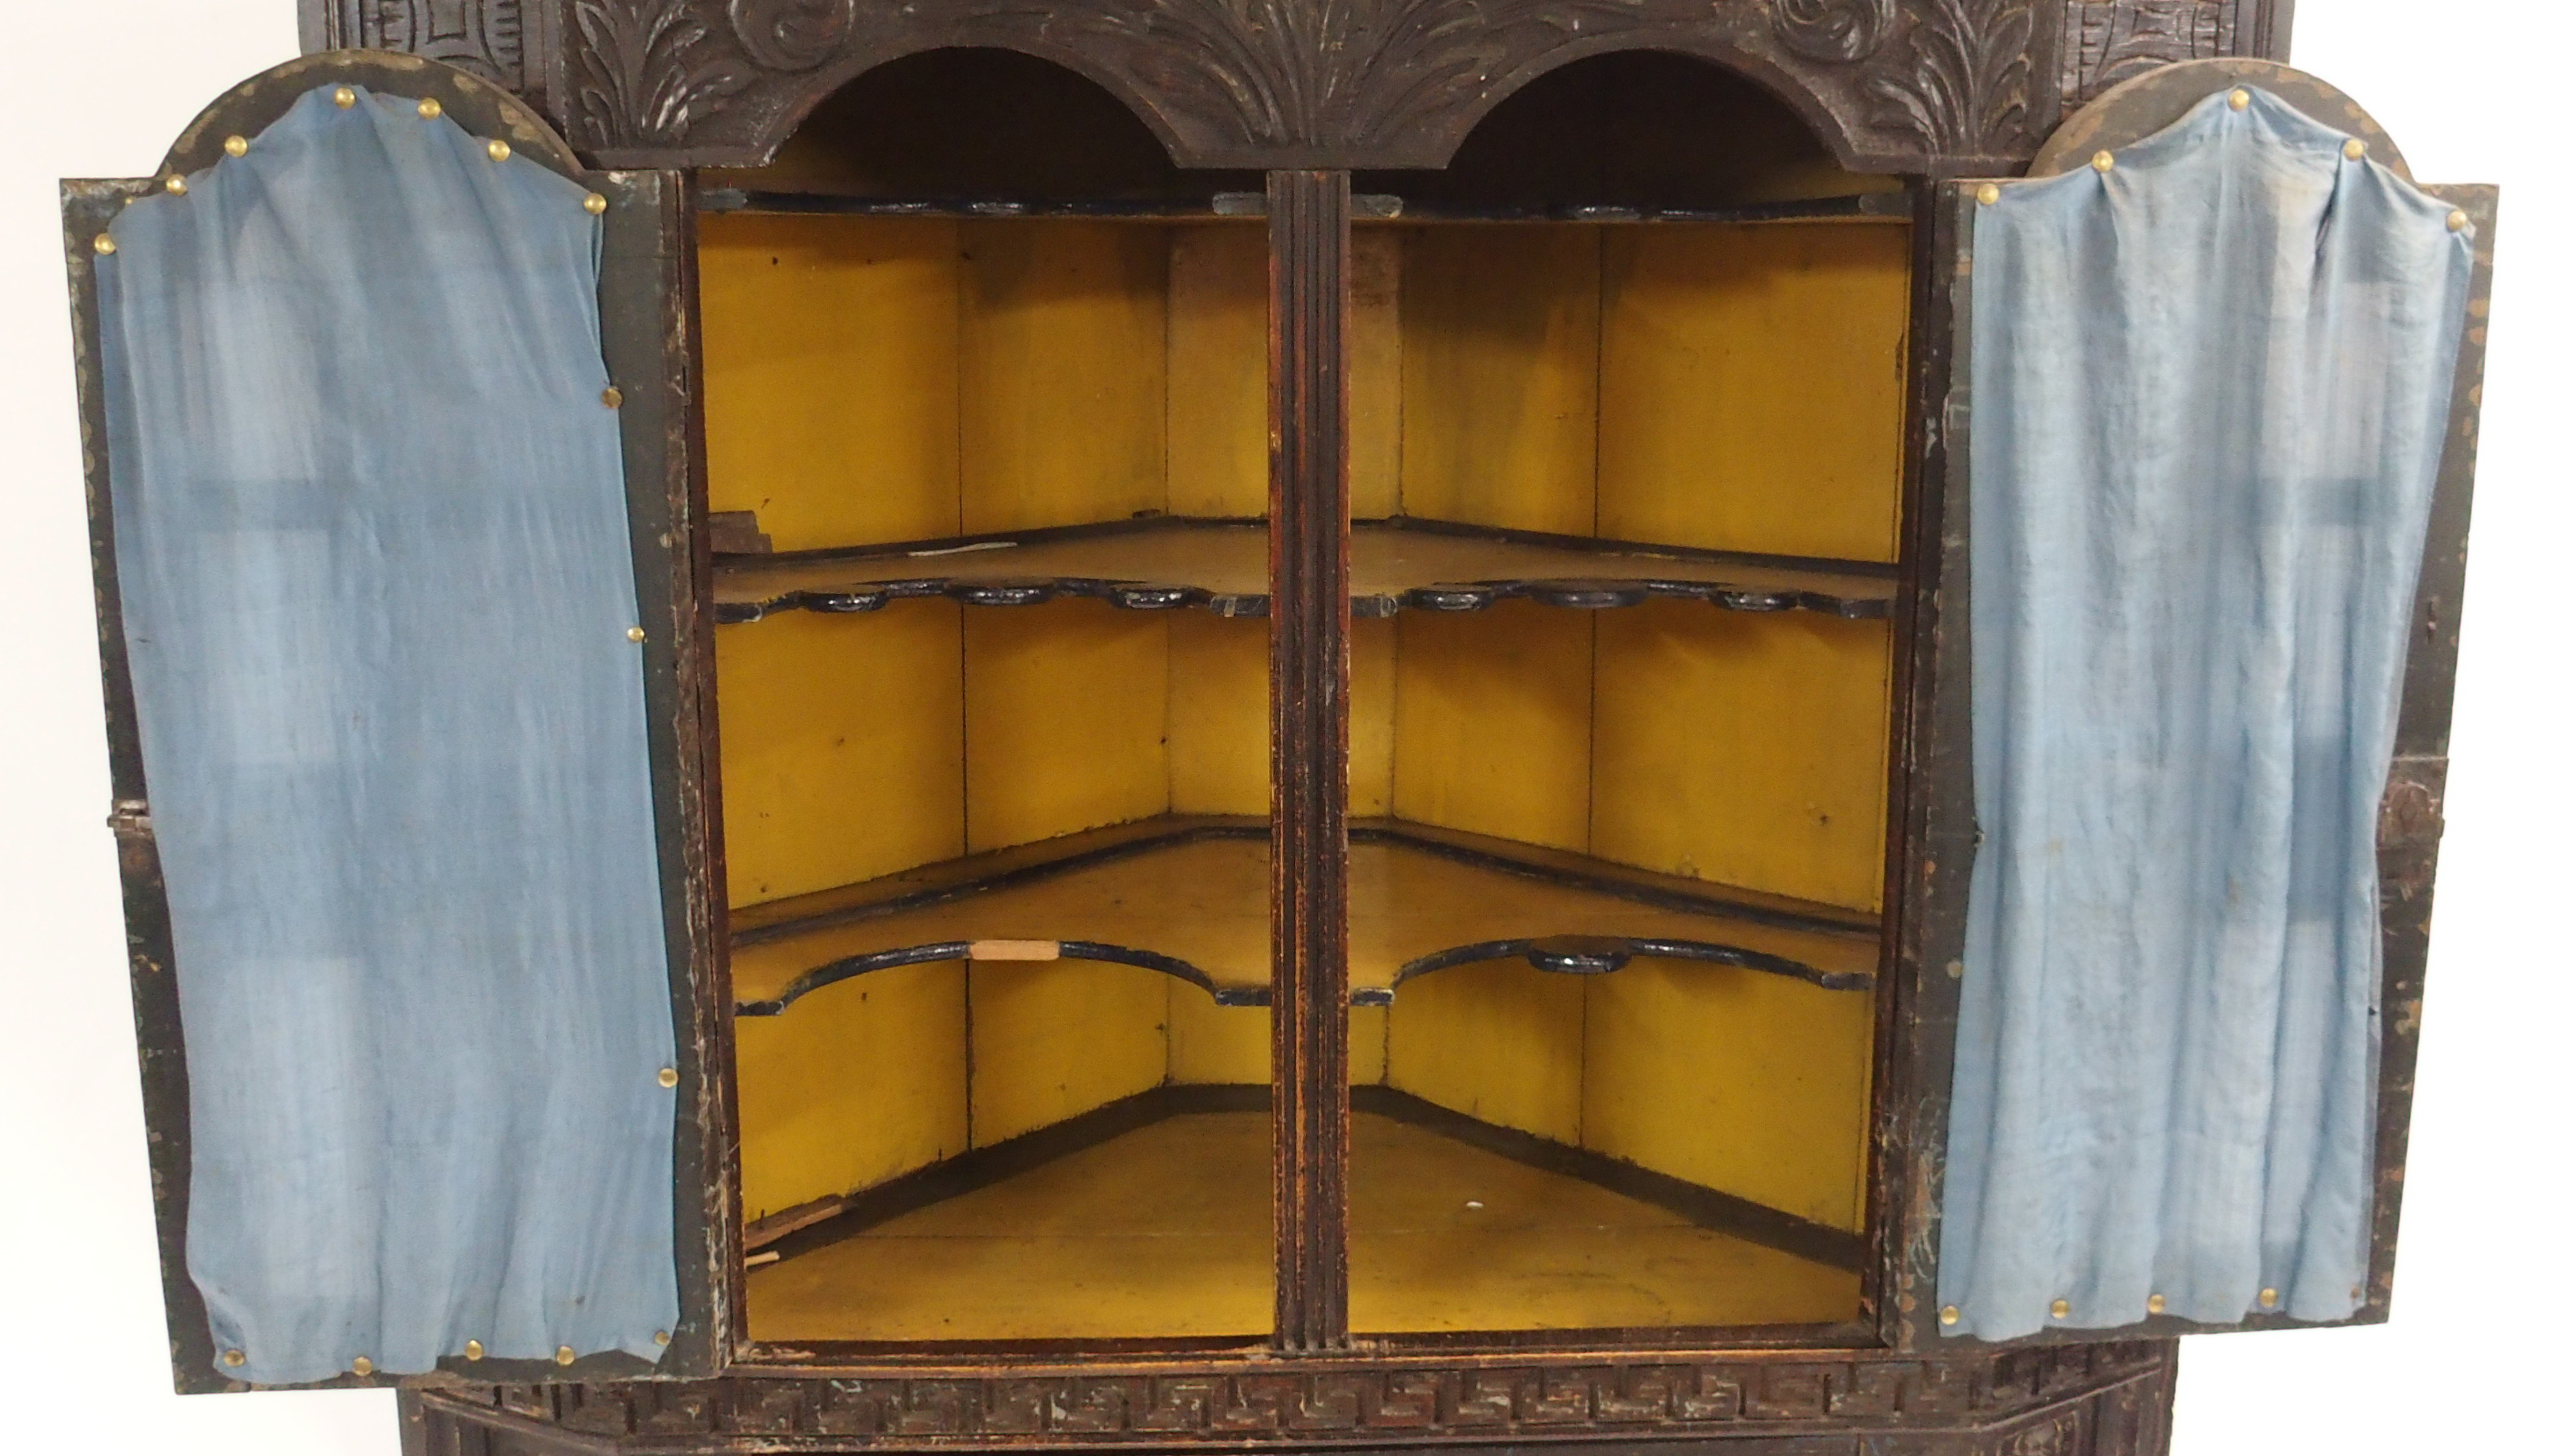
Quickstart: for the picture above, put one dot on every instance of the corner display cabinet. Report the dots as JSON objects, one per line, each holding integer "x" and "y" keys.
{"x": 1191, "y": 724}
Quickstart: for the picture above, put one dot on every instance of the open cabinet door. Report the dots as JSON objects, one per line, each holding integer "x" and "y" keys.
{"x": 2201, "y": 397}
{"x": 388, "y": 404}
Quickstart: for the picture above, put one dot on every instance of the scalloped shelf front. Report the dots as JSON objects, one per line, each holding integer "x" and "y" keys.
{"x": 1222, "y": 565}
{"x": 1186, "y": 896}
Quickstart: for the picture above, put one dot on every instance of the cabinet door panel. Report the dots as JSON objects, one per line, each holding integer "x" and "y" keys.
{"x": 389, "y": 493}
{"x": 2206, "y": 401}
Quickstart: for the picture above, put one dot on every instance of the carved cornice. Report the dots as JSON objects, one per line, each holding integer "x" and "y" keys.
{"x": 1381, "y": 1403}
{"x": 1892, "y": 84}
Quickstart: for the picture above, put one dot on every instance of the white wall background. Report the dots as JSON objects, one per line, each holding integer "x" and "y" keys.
{"x": 100, "y": 88}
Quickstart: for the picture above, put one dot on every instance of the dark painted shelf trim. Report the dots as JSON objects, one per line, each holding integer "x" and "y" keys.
{"x": 1860, "y": 207}
{"x": 1241, "y": 206}
{"x": 1573, "y": 954}
{"x": 840, "y": 204}
{"x": 1590, "y": 594}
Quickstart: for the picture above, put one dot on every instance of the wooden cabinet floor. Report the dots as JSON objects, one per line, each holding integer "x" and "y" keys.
{"x": 2110, "y": 1400}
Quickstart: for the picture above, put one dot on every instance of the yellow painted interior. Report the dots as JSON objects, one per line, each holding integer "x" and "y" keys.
{"x": 1763, "y": 1068}
{"x": 1500, "y": 328}
{"x": 820, "y": 788}
{"x": 858, "y": 1085}
{"x": 1727, "y": 387}
{"x": 1218, "y": 372}
{"x": 1056, "y": 1038}
{"x": 792, "y": 310}
{"x": 1748, "y": 387}
{"x": 1743, "y": 748}
{"x": 1067, "y": 717}
{"x": 1218, "y": 684}
{"x": 1493, "y": 728}
{"x": 1165, "y": 1232}
{"x": 1063, "y": 365}
{"x": 1373, "y": 368}
{"x": 876, "y": 381}
{"x": 1497, "y": 1040}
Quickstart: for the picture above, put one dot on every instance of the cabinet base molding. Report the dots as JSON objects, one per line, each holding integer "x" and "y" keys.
{"x": 2111, "y": 1400}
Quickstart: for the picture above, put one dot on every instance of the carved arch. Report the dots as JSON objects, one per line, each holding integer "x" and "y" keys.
{"x": 1833, "y": 129}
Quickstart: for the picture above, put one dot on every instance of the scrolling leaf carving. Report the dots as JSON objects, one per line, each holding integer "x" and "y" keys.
{"x": 1837, "y": 32}
{"x": 790, "y": 35}
{"x": 1964, "y": 87}
{"x": 648, "y": 70}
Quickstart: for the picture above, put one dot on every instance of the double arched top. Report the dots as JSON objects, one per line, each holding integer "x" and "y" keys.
{"x": 1889, "y": 85}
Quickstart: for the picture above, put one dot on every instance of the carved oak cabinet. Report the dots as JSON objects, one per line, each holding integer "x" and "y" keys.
{"x": 1298, "y": 677}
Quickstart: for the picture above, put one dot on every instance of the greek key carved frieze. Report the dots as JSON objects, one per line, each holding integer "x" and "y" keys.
{"x": 1698, "y": 1395}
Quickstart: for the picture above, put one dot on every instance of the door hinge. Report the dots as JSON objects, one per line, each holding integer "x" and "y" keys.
{"x": 129, "y": 819}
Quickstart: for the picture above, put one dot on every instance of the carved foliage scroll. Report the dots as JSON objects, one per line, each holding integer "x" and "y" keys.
{"x": 648, "y": 70}
{"x": 1963, "y": 82}
{"x": 1838, "y": 31}
{"x": 2109, "y": 41}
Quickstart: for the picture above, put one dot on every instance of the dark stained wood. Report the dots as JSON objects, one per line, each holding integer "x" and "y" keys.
{"x": 2413, "y": 822}
{"x": 1163, "y": 563}
{"x": 1369, "y": 83}
{"x": 2098, "y": 1401}
{"x": 1307, "y": 521}
{"x": 650, "y": 344}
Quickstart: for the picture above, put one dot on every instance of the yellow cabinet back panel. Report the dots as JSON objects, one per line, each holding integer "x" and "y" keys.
{"x": 1492, "y": 721}
{"x": 853, "y": 1088}
{"x": 828, "y": 351}
{"x": 820, "y": 787}
{"x": 1753, "y": 1085}
{"x": 1745, "y": 749}
{"x": 1056, "y": 1038}
{"x": 1067, "y": 719}
{"x": 1752, "y": 387}
{"x": 1499, "y": 1041}
{"x": 1218, "y": 686}
{"x": 1063, "y": 373}
{"x": 1498, "y": 338}
{"x": 1217, "y": 371}
{"x": 1373, "y": 373}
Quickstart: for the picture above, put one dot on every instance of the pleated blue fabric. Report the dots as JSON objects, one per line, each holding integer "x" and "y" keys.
{"x": 372, "y": 545}
{"x": 2210, "y": 393}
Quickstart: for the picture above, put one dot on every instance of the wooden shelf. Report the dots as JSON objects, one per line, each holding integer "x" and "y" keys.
{"x": 1188, "y": 896}
{"x": 1460, "y": 1225}
{"x": 1222, "y": 565}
